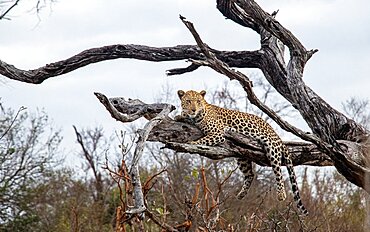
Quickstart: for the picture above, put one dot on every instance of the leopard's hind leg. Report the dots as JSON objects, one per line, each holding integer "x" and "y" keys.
{"x": 275, "y": 154}
{"x": 247, "y": 168}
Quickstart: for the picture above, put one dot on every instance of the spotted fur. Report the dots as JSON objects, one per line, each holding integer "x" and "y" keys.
{"x": 213, "y": 121}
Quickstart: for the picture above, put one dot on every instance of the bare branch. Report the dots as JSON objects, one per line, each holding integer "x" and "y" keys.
{"x": 124, "y": 116}
{"x": 144, "y": 133}
{"x": 230, "y": 10}
{"x": 158, "y": 222}
{"x": 135, "y": 176}
{"x": 178, "y": 71}
{"x": 2, "y": 16}
{"x": 139, "y": 204}
{"x": 137, "y": 107}
{"x": 13, "y": 121}
{"x": 269, "y": 23}
{"x": 131, "y": 51}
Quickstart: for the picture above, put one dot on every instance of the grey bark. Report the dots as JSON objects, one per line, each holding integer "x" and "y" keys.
{"x": 129, "y": 115}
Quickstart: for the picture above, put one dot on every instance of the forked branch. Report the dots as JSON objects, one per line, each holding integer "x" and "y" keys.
{"x": 139, "y": 204}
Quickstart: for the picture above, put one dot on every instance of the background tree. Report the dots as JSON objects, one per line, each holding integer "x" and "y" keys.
{"x": 38, "y": 191}
{"x": 95, "y": 148}
{"x": 28, "y": 149}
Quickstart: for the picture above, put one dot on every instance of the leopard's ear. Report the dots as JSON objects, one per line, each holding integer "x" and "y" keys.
{"x": 181, "y": 93}
{"x": 203, "y": 93}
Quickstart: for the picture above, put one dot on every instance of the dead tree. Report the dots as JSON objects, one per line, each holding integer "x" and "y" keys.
{"x": 334, "y": 139}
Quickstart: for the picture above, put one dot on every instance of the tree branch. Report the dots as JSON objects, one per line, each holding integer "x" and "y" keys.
{"x": 173, "y": 134}
{"x": 128, "y": 111}
{"x": 239, "y": 146}
{"x": 139, "y": 52}
{"x": 178, "y": 71}
{"x": 2, "y": 16}
{"x": 139, "y": 205}
{"x": 269, "y": 23}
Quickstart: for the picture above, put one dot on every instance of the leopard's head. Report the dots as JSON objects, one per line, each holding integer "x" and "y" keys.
{"x": 192, "y": 102}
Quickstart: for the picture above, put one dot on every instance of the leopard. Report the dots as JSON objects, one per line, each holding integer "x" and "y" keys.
{"x": 214, "y": 121}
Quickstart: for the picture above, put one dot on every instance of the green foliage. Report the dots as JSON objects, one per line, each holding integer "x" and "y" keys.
{"x": 195, "y": 173}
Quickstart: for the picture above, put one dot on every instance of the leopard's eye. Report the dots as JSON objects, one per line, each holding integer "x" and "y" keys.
{"x": 198, "y": 101}
{"x": 188, "y": 101}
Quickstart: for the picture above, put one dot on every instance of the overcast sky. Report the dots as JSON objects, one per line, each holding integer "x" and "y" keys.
{"x": 339, "y": 29}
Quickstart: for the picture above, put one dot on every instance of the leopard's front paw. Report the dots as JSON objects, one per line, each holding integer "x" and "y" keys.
{"x": 243, "y": 192}
{"x": 178, "y": 118}
{"x": 281, "y": 196}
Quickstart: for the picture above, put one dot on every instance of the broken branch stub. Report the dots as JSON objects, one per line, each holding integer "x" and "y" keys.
{"x": 132, "y": 109}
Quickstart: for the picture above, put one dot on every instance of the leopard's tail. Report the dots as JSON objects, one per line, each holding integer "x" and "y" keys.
{"x": 293, "y": 181}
